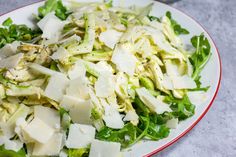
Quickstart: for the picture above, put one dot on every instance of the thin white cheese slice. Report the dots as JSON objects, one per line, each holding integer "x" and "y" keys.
{"x": 77, "y": 70}
{"x": 183, "y": 82}
{"x": 172, "y": 123}
{"x": 8, "y": 127}
{"x": 112, "y": 117}
{"x": 105, "y": 85}
{"x": 131, "y": 116}
{"x": 167, "y": 82}
{"x": 79, "y": 109}
{"x": 124, "y": 60}
{"x": 51, "y": 148}
{"x": 14, "y": 145}
{"x": 104, "y": 149}
{"x": 12, "y": 61}
{"x": 171, "y": 69}
{"x": 9, "y": 49}
{"x": 39, "y": 131}
{"x": 61, "y": 54}
{"x": 56, "y": 87}
{"x": 151, "y": 102}
{"x": 110, "y": 37}
{"x": 48, "y": 115}
{"x": 78, "y": 88}
{"x": 81, "y": 112}
{"x": 80, "y": 136}
{"x": 51, "y": 27}
{"x": 197, "y": 97}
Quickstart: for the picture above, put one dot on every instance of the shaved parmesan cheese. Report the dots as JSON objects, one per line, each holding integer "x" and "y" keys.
{"x": 56, "y": 87}
{"x": 131, "y": 116}
{"x": 112, "y": 117}
{"x": 160, "y": 40}
{"x": 183, "y": 82}
{"x": 68, "y": 102}
{"x": 51, "y": 27}
{"x": 78, "y": 88}
{"x": 124, "y": 60}
{"x": 61, "y": 54}
{"x": 103, "y": 66}
{"x": 46, "y": 113}
{"x": 167, "y": 82}
{"x": 172, "y": 123}
{"x": 151, "y": 102}
{"x": 9, "y": 49}
{"x": 197, "y": 97}
{"x": 105, "y": 85}
{"x": 79, "y": 110}
{"x": 80, "y": 136}
{"x": 14, "y": 145}
{"x": 110, "y": 37}
{"x": 77, "y": 70}
{"x": 12, "y": 61}
{"x": 171, "y": 69}
{"x": 51, "y": 148}
{"x": 8, "y": 128}
{"x": 39, "y": 131}
{"x": 104, "y": 149}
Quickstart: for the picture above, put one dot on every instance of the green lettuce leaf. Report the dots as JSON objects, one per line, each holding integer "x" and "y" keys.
{"x": 10, "y": 153}
{"x": 83, "y": 152}
{"x": 53, "y": 5}
{"x": 201, "y": 56}
{"x": 176, "y": 27}
{"x": 12, "y": 32}
{"x": 182, "y": 108}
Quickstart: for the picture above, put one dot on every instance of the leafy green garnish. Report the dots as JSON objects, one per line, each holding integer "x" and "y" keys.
{"x": 201, "y": 55}
{"x": 108, "y": 3}
{"x": 12, "y": 32}
{"x": 54, "y": 5}
{"x": 10, "y": 153}
{"x": 83, "y": 152}
{"x": 7, "y": 22}
{"x": 176, "y": 27}
{"x": 182, "y": 108}
{"x": 154, "y": 18}
{"x": 126, "y": 136}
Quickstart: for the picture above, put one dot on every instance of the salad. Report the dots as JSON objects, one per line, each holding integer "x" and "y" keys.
{"x": 92, "y": 79}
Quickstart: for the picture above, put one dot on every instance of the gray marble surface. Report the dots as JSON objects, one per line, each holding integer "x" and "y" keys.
{"x": 214, "y": 136}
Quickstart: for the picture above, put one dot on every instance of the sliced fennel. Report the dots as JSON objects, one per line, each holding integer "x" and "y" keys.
{"x": 94, "y": 79}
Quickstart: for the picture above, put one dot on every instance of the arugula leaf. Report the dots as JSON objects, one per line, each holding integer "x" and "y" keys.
{"x": 126, "y": 136}
{"x": 157, "y": 132}
{"x": 154, "y": 18}
{"x": 54, "y": 5}
{"x": 140, "y": 108}
{"x": 12, "y": 32}
{"x": 10, "y": 153}
{"x": 108, "y": 3}
{"x": 182, "y": 108}
{"x": 7, "y": 22}
{"x": 176, "y": 27}
{"x": 83, "y": 152}
{"x": 200, "y": 57}
{"x": 161, "y": 119}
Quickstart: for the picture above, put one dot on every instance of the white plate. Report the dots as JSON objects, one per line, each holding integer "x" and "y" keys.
{"x": 211, "y": 75}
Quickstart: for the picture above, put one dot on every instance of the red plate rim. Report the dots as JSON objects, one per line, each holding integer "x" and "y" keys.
{"x": 209, "y": 105}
